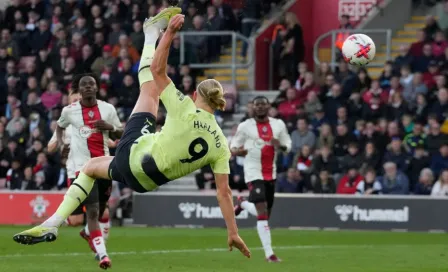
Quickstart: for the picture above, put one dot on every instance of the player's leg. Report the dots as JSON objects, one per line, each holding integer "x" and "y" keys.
{"x": 148, "y": 100}
{"x": 76, "y": 194}
{"x": 77, "y": 216}
{"x": 270, "y": 192}
{"x": 105, "y": 224}
{"x": 258, "y": 197}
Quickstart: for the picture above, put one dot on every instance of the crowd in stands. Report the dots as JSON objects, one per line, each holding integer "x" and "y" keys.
{"x": 352, "y": 134}
{"x": 43, "y": 44}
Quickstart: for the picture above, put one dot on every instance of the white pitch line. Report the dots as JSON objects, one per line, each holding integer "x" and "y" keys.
{"x": 172, "y": 251}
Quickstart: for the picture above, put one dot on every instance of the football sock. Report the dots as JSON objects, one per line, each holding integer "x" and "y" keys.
{"x": 250, "y": 207}
{"x": 265, "y": 236}
{"x": 86, "y": 230}
{"x": 144, "y": 71}
{"x": 98, "y": 242}
{"x": 105, "y": 228}
{"x": 74, "y": 196}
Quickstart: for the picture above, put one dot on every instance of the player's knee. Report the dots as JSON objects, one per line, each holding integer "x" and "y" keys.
{"x": 89, "y": 168}
{"x": 76, "y": 220}
{"x": 262, "y": 210}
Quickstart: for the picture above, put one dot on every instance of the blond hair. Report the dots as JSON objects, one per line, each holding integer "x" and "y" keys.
{"x": 212, "y": 93}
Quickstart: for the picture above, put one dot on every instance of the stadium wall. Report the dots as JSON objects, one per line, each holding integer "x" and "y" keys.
{"x": 328, "y": 212}
{"x": 388, "y": 18}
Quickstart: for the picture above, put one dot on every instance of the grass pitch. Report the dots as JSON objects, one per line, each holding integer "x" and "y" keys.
{"x": 204, "y": 250}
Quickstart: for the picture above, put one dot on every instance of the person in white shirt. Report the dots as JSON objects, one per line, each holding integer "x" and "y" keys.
{"x": 440, "y": 188}
{"x": 91, "y": 122}
{"x": 259, "y": 139}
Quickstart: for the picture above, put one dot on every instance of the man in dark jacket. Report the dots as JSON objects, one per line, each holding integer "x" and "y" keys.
{"x": 440, "y": 161}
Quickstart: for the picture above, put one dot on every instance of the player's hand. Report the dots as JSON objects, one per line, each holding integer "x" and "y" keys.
{"x": 275, "y": 143}
{"x": 240, "y": 152}
{"x": 102, "y": 125}
{"x": 236, "y": 241}
{"x": 176, "y": 23}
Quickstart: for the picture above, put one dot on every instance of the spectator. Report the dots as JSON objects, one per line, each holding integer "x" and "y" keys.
{"x": 87, "y": 58}
{"x": 52, "y": 96}
{"x": 416, "y": 87}
{"x": 386, "y": 75}
{"x": 11, "y": 45}
{"x": 371, "y": 159}
{"x": 421, "y": 109}
{"x": 349, "y": 182}
{"x": 137, "y": 36}
{"x": 206, "y": 175}
{"x": 425, "y": 182}
{"x": 342, "y": 140}
{"x": 324, "y": 183}
{"x": 40, "y": 38}
{"x": 213, "y": 23}
{"x": 302, "y": 136}
{"x": 318, "y": 120}
{"x": 394, "y": 182}
{"x": 105, "y": 59}
{"x": 333, "y": 102}
{"x": 14, "y": 176}
{"x": 396, "y": 154}
{"x": 421, "y": 63}
{"x": 440, "y": 107}
{"x": 370, "y": 185}
{"x": 303, "y": 159}
{"x": 225, "y": 12}
{"x": 16, "y": 118}
{"x": 435, "y": 138}
{"x": 431, "y": 27}
{"x": 440, "y": 188}
{"x": 289, "y": 183}
{"x": 326, "y": 137}
{"x": 352, "y": 159}
{"x": 287, "y": 108}
{"x": 418, "y": 162}
{"x": 417, "y": 137}
{"x": 440, "y": 161}
{"x": 124, "y": 43}
{"x": 405, "y": 57}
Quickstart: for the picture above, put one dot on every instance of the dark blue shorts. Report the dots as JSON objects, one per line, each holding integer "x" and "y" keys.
{"x": 139, "y": 124}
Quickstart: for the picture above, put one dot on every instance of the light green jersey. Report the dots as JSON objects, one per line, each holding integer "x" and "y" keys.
{"x": 189, "y": 140}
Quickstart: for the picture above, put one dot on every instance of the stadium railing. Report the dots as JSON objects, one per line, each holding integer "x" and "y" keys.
{"x": 234, "y": 64}
{"x": 387, "y": 33}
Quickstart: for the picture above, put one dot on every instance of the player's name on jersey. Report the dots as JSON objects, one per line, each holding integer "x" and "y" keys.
{"x": 204, "y": 126}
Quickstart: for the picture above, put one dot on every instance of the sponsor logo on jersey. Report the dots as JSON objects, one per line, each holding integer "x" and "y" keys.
{"x": 356, "y": 213}
{"x": 196, "y": 210}
{"x": 86, "y": 131}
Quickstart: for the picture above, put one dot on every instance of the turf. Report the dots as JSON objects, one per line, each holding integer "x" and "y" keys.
{"x": 203, "y": 250}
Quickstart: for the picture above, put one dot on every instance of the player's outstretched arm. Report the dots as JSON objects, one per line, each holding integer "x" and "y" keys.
{"x": 159, "y": 63}
{"x": 224, "y": 195}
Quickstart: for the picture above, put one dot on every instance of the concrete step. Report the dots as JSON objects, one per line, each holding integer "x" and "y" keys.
{"x": 394, "y": 48}
{"x": 228, "y": 58}
{"x": 403, "y": 40}
{"x": 406, "y": 33}
{"x": 414, "y": 26}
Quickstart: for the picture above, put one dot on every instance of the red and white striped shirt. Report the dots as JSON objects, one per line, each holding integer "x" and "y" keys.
{"x": 255, "y": 137}
{"x": 86, "y": 142}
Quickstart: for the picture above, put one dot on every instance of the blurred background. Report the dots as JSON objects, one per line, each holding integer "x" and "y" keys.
{"x": 384, "y": 126}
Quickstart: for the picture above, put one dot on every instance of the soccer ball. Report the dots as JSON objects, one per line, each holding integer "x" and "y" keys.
{"x": 358, "y": 49}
